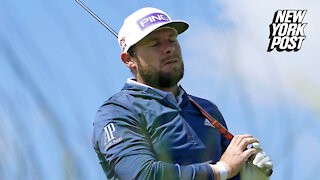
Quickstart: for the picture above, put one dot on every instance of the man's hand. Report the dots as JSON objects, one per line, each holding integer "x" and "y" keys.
{"x": 236, "y": 154}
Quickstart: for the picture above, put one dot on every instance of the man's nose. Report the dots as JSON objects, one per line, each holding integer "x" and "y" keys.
{"x": 169, "y": 47}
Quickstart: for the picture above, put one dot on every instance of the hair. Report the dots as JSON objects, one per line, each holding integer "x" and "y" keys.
{"x": 132, "y": 51}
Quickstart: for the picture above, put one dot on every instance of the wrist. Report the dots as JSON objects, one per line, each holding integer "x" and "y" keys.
{"x": 223, "y": 172}
{"x": 220, "y": 171}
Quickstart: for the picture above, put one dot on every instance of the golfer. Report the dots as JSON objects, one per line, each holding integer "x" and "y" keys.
{"x": 150, "y": 129}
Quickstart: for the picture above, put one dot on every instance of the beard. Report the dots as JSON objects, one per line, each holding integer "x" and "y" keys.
{"x": 160, "y": 78}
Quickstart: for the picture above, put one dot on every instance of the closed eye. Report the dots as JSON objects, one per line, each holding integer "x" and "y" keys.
{"x": 173, "y": 39}
{"x": 154, "y": 44}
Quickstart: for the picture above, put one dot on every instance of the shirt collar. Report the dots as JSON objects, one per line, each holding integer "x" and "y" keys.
{"x": 170, "y": 95}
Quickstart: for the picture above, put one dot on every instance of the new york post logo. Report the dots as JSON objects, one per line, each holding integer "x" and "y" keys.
{"x": 287, "y": 30}
{"x": 151, "y": 19}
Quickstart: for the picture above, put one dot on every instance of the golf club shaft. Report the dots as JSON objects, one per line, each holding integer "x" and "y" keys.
{"x": 97, "y": 18}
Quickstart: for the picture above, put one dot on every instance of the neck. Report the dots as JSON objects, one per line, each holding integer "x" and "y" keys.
{"x": 174, "y": 89}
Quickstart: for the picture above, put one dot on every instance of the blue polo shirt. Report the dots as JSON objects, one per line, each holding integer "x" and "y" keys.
{"x": 145, "y": 133}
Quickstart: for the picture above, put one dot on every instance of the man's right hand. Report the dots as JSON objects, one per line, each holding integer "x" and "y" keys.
{"x": 236, "y": 154}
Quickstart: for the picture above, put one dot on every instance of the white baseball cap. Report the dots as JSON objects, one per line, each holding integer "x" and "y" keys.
{"x": 142, "y": 22}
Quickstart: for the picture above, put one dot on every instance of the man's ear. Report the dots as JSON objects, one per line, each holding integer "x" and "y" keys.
{"x": 128, "y": 60}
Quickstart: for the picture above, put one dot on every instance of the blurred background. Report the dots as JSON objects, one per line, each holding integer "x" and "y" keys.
{"x": 58, "y": 65}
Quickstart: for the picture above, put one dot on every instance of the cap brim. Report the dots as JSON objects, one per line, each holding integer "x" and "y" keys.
{"x": 180, "y": 26}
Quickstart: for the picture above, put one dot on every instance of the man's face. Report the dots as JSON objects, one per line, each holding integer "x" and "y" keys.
{"x": 159, "y": 60}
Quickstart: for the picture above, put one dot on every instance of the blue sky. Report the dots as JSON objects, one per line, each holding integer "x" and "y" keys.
{"x": 58, "y": 65}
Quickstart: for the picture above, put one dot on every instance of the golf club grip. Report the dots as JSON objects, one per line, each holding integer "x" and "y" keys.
{"x": 223, "y": 131}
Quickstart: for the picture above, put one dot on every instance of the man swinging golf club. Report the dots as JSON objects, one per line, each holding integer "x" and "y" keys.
{"x": 150, "y": 129}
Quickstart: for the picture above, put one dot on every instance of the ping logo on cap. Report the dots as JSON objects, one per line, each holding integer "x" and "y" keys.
{"x": 151, "y": 19}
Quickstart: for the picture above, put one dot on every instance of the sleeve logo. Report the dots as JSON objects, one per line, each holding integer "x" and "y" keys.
{"x": 110, "y": 136}
{"x": 109, "y": 130}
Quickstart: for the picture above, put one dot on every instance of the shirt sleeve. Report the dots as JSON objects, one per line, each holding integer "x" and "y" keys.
{"x": 125, "y": 151}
